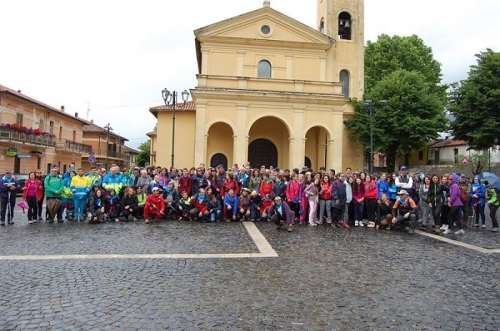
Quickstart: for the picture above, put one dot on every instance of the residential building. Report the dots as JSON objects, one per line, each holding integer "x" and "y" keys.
{"x": 34, "y": 135}
{"x": 270, "y": 91}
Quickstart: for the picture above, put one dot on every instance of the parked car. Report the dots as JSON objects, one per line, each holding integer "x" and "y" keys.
{"x": 21, "y": 179}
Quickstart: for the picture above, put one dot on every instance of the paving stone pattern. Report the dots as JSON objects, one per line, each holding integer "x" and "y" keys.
{"x": 323, "y": 279}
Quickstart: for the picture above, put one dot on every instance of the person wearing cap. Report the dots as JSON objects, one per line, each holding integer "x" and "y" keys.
{"x": 404, "y": 181}
{"x": 8, "y": 188}
{"x": 280, "y": 213}
{"x": 154, "y": 206}
{"x": 244, "y": 204}
{"x": 403, "y": 211}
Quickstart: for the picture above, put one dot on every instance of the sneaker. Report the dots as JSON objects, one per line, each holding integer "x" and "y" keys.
{"x": 443, "y": 227}
{"x": 494, "y": 230}
{"x": 411, "y": 231}
{"x": 280, "y": 226}
{"x": 117, "y": 220}
{"x": 344, "y": 225}
{"x": 447, "y": 231}
{"x": 423, "y": 227}
{"x": 30, "y": 222}
{"x": 483, "y": 226}
{"x": 40, "y": 218}
{"x": 356, "y": 223}
{"x": 371, "y": 224}
{"x": 460, "y": 232}
{"x": 180, "y": 218}
{"x": 34, "y": 220}
{"x": 314, "y": 224}
{"x": 475, "y": 225}
{"x": 146, "y": 221}
{"x": 361, "y": 224}
{"x": 135, "y": 218}
{"x": 290, "y": 228}
{"x": 301, "y": 223}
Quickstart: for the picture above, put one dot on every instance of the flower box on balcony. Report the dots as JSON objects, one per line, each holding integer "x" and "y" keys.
{"x": 4, "y": 133}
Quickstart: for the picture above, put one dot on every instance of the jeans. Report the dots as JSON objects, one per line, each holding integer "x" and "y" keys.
{"x": 216, "y": 215}
{"x": 426, "y": 214}
{"x": 401, "y": 221}
{"x": 493, "y": 215}
{"x": 358, "y": 211}
{"x": 32, "y": 208}
{"x": 436, "y": 211}
{"x": 6, "y": 205}
{"x": 325, "y": 204}
{"x": 480, "y": 211}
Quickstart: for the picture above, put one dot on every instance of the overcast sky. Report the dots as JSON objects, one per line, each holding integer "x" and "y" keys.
{"x": 117, "y": 56}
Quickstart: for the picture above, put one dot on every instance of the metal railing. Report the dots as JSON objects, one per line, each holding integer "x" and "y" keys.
{"x": 114, "y": 154}
{"x": 16, "y": 136}
{"x": 73, "y": 145}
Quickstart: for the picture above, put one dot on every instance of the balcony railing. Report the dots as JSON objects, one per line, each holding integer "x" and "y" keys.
{"x": 113, "y": 154}
{"x": 16, "y": 136}
{"x": 66, "y": 144}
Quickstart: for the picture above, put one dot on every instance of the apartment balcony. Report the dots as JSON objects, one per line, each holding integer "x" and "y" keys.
{"x": 101, "y": 155}
{"x": 16, "y": 137}
{"x": 70, "y": 145}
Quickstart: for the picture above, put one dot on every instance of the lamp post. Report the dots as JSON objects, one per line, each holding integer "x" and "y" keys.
{"x": 370, "y": 105}
{"x": 108, "y": 128}
{"x": 171, "y": 97}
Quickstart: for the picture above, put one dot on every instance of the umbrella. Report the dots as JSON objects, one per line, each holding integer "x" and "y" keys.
{"x": 53, "y": 206}
{"x": 493, "y": 179}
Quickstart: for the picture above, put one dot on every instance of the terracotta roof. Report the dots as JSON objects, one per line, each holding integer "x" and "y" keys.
{"x": 130, "y": 150}
{"x": 189, "y": 106}
{"x": 91, "y": 127}
{"x": 39, "y": 103}
{"x": 152, "y": 133}
{"x": 448, "y": 143}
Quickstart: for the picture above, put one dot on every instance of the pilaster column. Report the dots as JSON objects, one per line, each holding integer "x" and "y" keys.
{"x": 297, "y": 147}
{"x": 241, "y": 63}
{"x": 335, "y": 144}
{"x": 201, "y": 136}
{"x": 240, "y": 144}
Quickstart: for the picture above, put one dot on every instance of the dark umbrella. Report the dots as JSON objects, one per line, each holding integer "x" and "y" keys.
{"x": 493, "y": 179}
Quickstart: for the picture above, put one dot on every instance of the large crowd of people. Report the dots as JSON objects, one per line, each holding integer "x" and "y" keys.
{"x": 440, "y": 204}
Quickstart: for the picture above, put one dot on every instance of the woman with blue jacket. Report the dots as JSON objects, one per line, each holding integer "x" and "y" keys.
{"x": 478, "y": 201}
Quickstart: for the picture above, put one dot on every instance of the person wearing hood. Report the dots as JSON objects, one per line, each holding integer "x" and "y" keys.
{"x": 493, "y": 203}
{"x": 477, "y": 195}
{"x": 455, "y": 204}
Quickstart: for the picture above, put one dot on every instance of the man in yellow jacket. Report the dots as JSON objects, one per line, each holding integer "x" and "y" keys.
{"x": 80, "y": 186}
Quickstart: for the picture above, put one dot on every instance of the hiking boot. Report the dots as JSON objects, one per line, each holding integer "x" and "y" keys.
{"x": 290, "y": 228}
{"x": 494, "y": 230}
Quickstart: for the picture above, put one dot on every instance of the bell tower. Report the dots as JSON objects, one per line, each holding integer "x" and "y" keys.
{"x": 343, "y": 20}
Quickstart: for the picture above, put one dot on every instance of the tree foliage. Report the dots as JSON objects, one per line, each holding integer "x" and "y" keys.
{"x": 144, "y": 153}
{"x": 477, "y": 161}
{"x": 475, "y": 103}
{"x": 402, "y": 71}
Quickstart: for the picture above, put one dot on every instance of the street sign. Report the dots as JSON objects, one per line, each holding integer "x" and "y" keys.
{"x": 91, "y": 159}
{"x": 465, "y": 160}
{"x": 23, "y": 156}
{"x": 11, "y": 152}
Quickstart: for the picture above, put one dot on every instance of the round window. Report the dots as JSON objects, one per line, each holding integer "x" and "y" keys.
{"x": 265, "y": 29}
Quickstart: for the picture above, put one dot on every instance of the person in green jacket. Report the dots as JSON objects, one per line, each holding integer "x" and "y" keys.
{"x": 53, "y": 185}
{"x": 493, "y": 203}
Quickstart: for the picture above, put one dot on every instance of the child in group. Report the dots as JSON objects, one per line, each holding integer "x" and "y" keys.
{"x": 244, "y": 204}
{"x": 184, "y": 206}
{"x": 264, "y": 207}
{"x": 230, "y": 206}
{"x": 113, "y": 205}
{"x": 215, "y": 209}
{"x": 255, "y": 201}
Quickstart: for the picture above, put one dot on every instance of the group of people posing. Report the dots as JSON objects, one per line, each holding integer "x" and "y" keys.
{"x": 388, "y": 201}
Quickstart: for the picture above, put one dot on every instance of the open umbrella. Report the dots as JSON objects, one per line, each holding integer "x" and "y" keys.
{"x": 493, "y": 179}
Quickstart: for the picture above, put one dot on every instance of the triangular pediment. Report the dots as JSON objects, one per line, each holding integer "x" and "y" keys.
{"x": 264, "y": 24}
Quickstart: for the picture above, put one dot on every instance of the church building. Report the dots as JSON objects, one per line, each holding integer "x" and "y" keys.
{"x": 270, "y": 91}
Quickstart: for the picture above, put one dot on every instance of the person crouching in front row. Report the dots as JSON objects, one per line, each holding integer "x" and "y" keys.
{"x": 155, "y": 205}
{"x": 280, "y": 212}
{"x": 215, "y": 209}
{"x": 230, "y": 206}
{"x": 200, "y": 211}
{"x": 113, "y": 205}
{"x": 95, "y": 207}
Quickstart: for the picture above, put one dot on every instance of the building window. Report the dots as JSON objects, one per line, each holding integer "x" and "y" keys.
{"x": 344, "y": 79}
{"x": 41, "y": 125}
{"x": 264, "y": 69}
{"x": 322, "y": 26}
{"x": 51, "y": 127}
{"x": 19, "y": 118}
{"x": 420, "y": 155}
{"x": 345, "y": 26}
{"x": 265, "y": 29}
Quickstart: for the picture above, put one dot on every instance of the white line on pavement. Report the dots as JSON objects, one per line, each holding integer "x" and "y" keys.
{"x": 458, "y": 243}
{"x": 260, "y": 241}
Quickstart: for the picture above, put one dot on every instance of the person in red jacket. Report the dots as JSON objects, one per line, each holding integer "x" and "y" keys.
{"x": 266, "y": 185}
{"x": 228, "y": 184}
{"x": 371, "y": 194}
{"x": 185, "y": 182}
{"x": 293, "y": 194}
{"x": 33, "y": 192}
{"x": 325, "y": 200}
{"x": 200, "y": 211}
{"x": 154, "y": 206}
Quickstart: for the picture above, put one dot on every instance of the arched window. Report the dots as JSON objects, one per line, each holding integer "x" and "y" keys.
{"x": 322, "y": 26}
{"x": 344, "y": 79}
{"x": 264, "y": 69}
{"x": 345, "y": 25}
{"x": 218, "y": 159}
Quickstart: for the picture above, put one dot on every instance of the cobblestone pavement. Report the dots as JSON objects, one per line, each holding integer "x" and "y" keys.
{"x": 323, "y": 279}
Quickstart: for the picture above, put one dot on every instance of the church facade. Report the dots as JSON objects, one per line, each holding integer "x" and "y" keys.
{"x": 271, "y": 91}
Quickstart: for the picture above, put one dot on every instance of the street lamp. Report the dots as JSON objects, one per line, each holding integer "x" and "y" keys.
{"x": 108, "y": 128}
{"x": 171, "y": 97}
{"x": 370, "y": 105}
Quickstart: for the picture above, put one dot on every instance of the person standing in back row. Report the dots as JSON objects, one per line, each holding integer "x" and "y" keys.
{"x": 8, "y": 188}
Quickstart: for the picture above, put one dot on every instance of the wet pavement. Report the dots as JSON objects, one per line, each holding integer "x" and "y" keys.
{"x": 322, "y": 279}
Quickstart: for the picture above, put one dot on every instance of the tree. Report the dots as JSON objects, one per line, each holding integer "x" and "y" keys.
{"x": 475, "y": 103}
{"x": 477, "y": 161}
{"x": 144, "y": 153}
{"x": 402, "y": 71}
